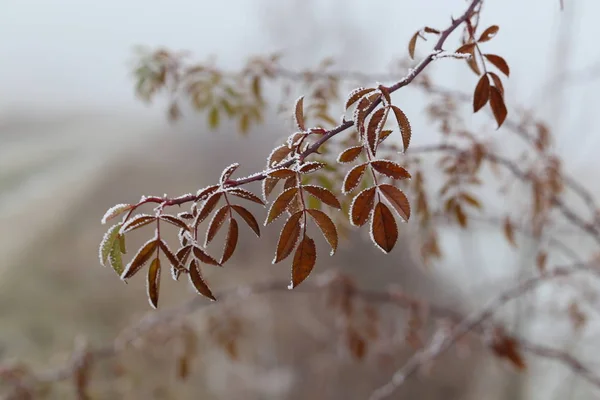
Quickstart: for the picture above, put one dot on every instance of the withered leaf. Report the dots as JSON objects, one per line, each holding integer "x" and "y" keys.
{"x": 404, "y": 125}
{"x": 202, "y": 194}
{"x": 247, "y": 195}
{"x": 153, "y": 282}
{"x": 288, "y": 237}
{"x": 230, "y": 241}
{"x": 280, "y": 204}
{"x": 469, "y": 199}
{"x": 137, "y": 222}
{"x": 227, "y": 172}
{"x": 296, "y": 204}
{"x": 248, "y": 217}
{"x": 466, "y": 48}
{"x": 356, "y": 94}
{"x": 309, "y": 167}
{"x": 361, "y": 206}
{"x": 499, "y": 63}
{"x": 384, "y": 230}
{"x": 281, "y": 173}
{"x": 207, "y": 208}
{"x": 216, "y": 223}
{"x": 384, "y": 135}
{"x": 299, "y": 113}
{"x": 327, "y": 227}
{"x": 141, "y": 257}
{"x": 175, "y": 221}
{"x": 324, "y": 195}
{"x": 488, "y": 33}
{"x": 397, "y": 199}
{"x": 175, "y": 262}
{"x": 497, "y": 82}
{"x": 461, "y": 217}
{"x": 356, "y": 344}
{"x": 390, "y": 169}
{"x": 349, "y": 154}
{"x": 277, "y": 155}
{"x": 375, "y": 126}
{"x": 506, "y": 347}
{"x": 199, "y": 284}
{"x": 268, "y": 184}
{"x": 412, "y": 45}
{"x": 304, "y": 261}
{"x": 431, "y": 30}
{"x": 540, "y": 261}
{"x": 498, "y": 106}
{"x": 353, "y": 177}
{"x": 203, "y": 257}
{"x": 509, "y": 232}
{"x": 482, "y": 93}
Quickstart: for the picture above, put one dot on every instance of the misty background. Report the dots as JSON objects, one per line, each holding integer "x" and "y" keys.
{"x": 72, "y": 130}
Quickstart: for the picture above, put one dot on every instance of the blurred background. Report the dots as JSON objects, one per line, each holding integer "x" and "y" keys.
{"x": 74, "y": 140}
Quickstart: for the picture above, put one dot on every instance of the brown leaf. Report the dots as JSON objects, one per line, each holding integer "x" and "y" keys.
{"x": 141, "y": 257}
{"x": 482, "y": 93}
{"x": 281, "y": 173}
{"x": 175, "y": 262}
{"x": 277, "y": 155}
{"x": 304, "y": 261}
{"x": 356, "y": 94}
{"x": 466, "y": 48}
{"x": 540, "y": 261}
{"x": 199, "y": 284}
{"x": 202, "y": 194}
{"x": 361, "y": 206}
{"x": 509, "y": 232}
{"x": 280, "y": 204}
{"x": 461, "y": 217}
{"x": 375, "y": 125}
{"x": 350, "y": 154}
{"x": 384, "y": 135}
{"x": 216, "y": 223}
{"x": 153, "y": 282}
{"x": 324, "y": 195}
{"x": 353, "y": 178}
{"x": 356, "y": 344}
{"x": 299, "y": 113}
{"x": 137, "y": 222}
{"x": 469, "y": 48}
{"x": 499, "y": 63}
{"x": 288, "y": 237}
{"x": 497, "y": 82}
{"x": 404, "y": 126}
{"x": 268, "y": 184}
{"x": 506, "y": 347}
{"x": 246, "y": 194}
{"x": 248, "y": 217}
{"x": 175, "y": 221}
{"x": 498, "y": 106}
{"x": 431, "y": 30}
{"x": 309, "y": 167}
{"x": 488, "y": 33}
{"x": 207, "y": 208}
{"x": 390, "y": 169}
{"x": 203, "y": 257}
{"x": 227, "y": 172}
{"x": 397, "y": 199}
{"x": 327, "y": 227}
{"x": 412, "y": 45}
{"x": 230, "y": 241}
{"x": 468, "y": 198}
{"x": 384, "y": 230}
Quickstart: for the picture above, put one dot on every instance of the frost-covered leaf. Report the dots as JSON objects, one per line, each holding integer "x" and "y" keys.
{"x": 115, "y": 259}
{"x": 278, "y": 155}
{"x": 499, "y": 63}
{"x": 173, "y": 259}
{"x": 268, "y": 184}
{"x": 390, "y": 169}
{"x": 227, "y": 172}
{"x": 230, "y": 241}
{"x": 248, "y": 217}
{"x": 384, "y": 230}
{"x": 324, "y": 195}
{"x": 288, "y": 237}
{"x": 280, "y": 204}
{"x": 114, "y": 211}
{"x": 375, "y": 126}
{"x": 281, "y": 173}
{"x": 327, "y": 227}
{"x": 482, "y": 93}
{"x": 108, "y": 242}
{"x": 199, "y": 283}
{"x": 353, "y": 178}
{"x": 216, "y": 223}
{"x": 299, "y": 113}
{"x": 361, "y": 206}
{"x": 142, "y": 256}
{"x": 350, "y": 154}
{"x": 247, "y": 195}
{"x": 207, "y": 208}
{"x": 404, "y": 125}
{"x": 309, "y": 167}
{"x": 488, "y": 34}
{"x": 122, "y": 247}
{"x": 304, "y": 261}
{"x": 207, "y": 191}
{"x": 153, "y": 282}
{"x": 137, "y": 222}
{"x": 175, "y": 221}
{"x": 397, "y": 199}
{"x": 203, "y": 257}
{"x": 356, "y": 94}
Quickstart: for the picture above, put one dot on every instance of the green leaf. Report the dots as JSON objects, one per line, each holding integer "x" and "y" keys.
{"x": 213, "y": 117}
{"x": 108, "y": 242}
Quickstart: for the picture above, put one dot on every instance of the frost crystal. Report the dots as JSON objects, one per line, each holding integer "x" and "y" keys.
{"x": 114, "y": 211}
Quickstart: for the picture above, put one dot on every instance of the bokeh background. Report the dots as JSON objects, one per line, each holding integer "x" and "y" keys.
{"x": 74, "y": 140}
